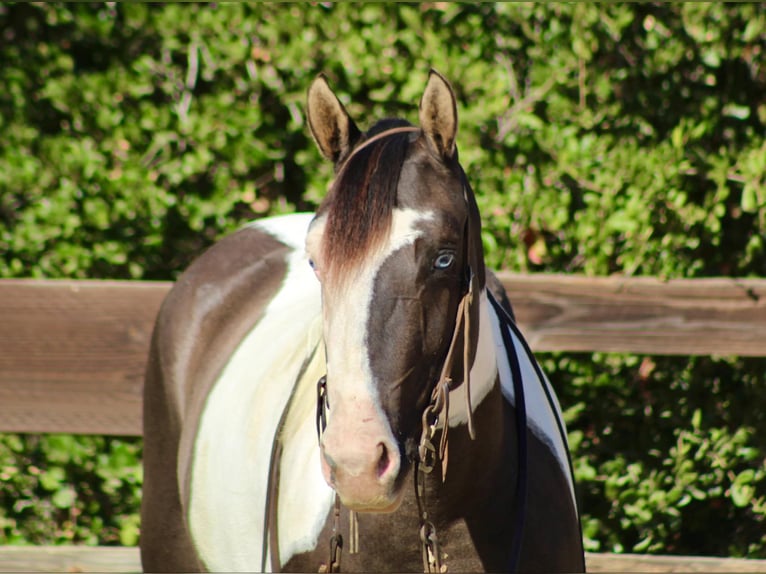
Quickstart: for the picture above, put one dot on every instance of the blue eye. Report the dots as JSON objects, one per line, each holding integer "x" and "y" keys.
{"x": 444, "y": 261}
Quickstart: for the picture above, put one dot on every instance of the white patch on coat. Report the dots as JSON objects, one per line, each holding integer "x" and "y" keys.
{"x": 237, "y": 427}
{"x": 542, "y": 414}
{"x": 301, "y": 515}
{"x": 350, "y": 379}
{"x": 483, "y": 370}
{"x": 289, "y": 229}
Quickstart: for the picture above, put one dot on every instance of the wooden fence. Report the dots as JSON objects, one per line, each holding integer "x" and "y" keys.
{"x": 72, "y": 356}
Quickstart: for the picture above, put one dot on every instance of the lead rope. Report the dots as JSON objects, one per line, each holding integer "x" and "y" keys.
{"x": 424, "y": 465}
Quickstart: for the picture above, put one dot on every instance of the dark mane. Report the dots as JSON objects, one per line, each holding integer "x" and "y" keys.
{"x": 362, "y": 198}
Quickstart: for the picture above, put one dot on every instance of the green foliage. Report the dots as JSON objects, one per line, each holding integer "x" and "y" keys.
{"x": 681, "y": 462}
{"x": 599, "y": 138}
{"x": 64, "y": 489}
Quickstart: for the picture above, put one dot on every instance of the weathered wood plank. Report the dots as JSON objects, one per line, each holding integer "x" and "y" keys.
{"x": 121, "y": 559}
{"x": 72, "y": 353}
{"x": 69, "y": 559}
{"x": 650, "y": 563}
{"x": 717, "y": 316}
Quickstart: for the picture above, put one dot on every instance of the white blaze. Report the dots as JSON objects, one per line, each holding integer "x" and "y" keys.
{"x": 347, "y": 312}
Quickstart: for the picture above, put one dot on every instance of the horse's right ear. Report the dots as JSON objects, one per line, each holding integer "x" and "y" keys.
{"x": 333, "y": 129}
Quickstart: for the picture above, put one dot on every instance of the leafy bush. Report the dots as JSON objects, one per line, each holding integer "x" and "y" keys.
{"x": 600, "y": 139}
{"x": 667, "y": 455}
{"x": 65, "y": 489}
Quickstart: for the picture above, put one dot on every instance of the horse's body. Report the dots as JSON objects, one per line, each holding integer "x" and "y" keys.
{"x": 248, "y": 330}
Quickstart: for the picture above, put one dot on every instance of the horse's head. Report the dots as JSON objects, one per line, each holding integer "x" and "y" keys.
{"x": 396, "y": 246}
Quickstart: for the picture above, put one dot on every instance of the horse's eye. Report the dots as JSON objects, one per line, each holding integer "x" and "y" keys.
{"x": 444, "y": 261}
{"x": 313, "y": 265}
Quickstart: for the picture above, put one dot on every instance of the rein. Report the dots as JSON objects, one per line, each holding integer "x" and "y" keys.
{"x": 506, "y": 323}
{"x": 336, "y": 538}
{"x": 270, "y": 542}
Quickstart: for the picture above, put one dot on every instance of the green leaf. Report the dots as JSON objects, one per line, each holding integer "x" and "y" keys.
{"x": 52, "y": 478}
{"x": 64, "y": 498}
{"x": 742, "y": 494}
{"x": 749, "y": 200}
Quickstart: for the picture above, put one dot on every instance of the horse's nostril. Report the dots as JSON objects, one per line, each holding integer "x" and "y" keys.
{"x": 384, "y": 461}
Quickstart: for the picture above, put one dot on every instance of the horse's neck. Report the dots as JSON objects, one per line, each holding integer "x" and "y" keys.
{"x": 479, "y": 471}
{"x": 477, "y": 466}
{"x": 478, "y": 491}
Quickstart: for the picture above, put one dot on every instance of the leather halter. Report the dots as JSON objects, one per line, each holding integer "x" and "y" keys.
{"x": 440, "y": 394}
{"x": 437, "y": 410}
{"x": 376, "y": 137}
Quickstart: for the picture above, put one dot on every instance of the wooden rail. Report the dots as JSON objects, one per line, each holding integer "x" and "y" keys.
{"x": 72, "y": 357}
{"x": 127, "y": 560}
{"x": 641, "y": 315}
{"x": 72, "y": 353}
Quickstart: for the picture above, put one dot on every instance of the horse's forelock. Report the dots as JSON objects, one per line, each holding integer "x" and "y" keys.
{"x": 360, "y": 204}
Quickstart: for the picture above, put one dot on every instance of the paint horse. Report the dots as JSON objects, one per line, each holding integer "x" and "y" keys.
{"x": 441, "y": 443}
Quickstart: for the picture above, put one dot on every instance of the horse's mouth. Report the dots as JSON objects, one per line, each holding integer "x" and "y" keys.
{"x": 364, "y": 493}
{"x": 385, "y": 503}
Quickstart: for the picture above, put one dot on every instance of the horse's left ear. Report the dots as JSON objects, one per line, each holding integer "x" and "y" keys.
{"x": 438, "y": 115}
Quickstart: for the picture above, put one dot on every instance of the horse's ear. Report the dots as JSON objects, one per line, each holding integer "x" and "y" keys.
{"x": 438, "y": 115}
{"x": 333, "y": 129}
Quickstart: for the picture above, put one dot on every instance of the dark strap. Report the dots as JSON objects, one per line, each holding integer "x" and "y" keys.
{"x": 270, "y": 527}
{"x": 507, "y": 323}
{"x": 270, "y": 542}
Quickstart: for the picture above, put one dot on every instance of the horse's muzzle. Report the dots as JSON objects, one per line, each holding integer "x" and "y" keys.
{"x": 362, "y": 464}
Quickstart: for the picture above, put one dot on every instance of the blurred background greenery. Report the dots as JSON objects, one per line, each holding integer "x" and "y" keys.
{"x": 600, "y": 139}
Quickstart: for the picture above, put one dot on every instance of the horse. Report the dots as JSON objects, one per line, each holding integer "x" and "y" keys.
{"x": 348, "y": 389}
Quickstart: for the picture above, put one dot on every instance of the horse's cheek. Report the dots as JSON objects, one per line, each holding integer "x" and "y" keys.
{"x": 436, "y": 334}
